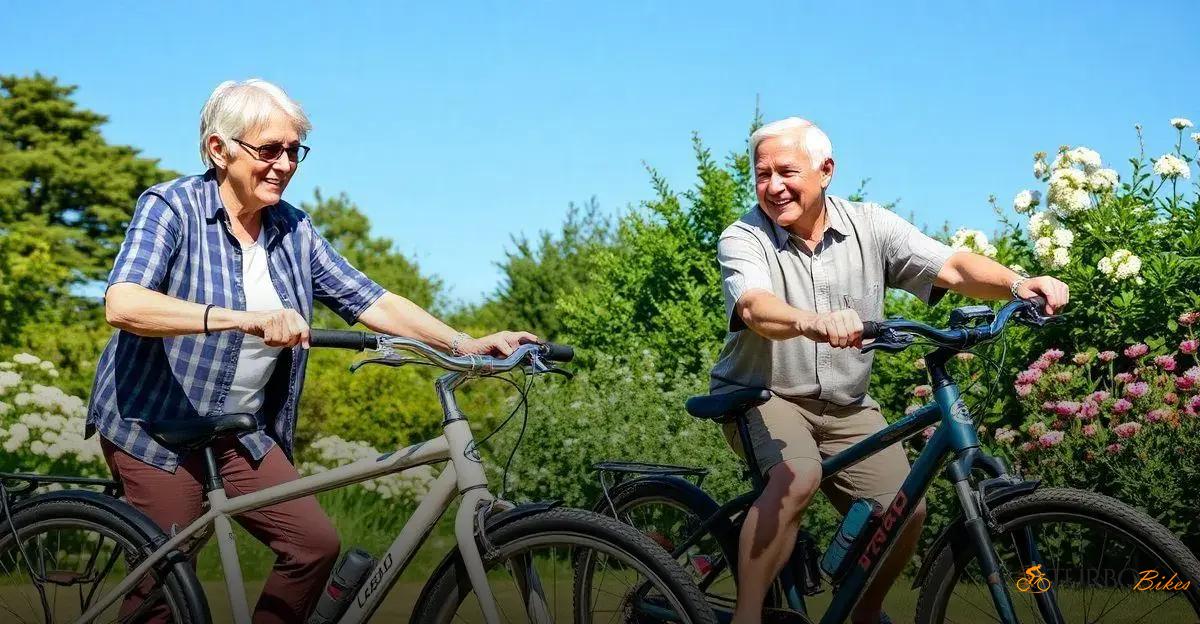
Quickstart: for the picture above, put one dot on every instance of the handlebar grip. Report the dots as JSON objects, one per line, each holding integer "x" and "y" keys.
{"x": 343, "y": 339}
{"x": 871, "y": 330}
{"x": 1038, "y": 302}
{"x": 557, "y": 352}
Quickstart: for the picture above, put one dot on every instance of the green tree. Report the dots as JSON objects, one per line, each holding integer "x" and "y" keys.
{"x": 66, "y": 195}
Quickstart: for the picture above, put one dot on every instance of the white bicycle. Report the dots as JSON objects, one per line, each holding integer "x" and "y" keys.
{"x": 76, "y": 555}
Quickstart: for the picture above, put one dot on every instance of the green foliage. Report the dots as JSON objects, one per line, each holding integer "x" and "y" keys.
{"x": 65, "y": 197}
{"x": 657, "y": 286}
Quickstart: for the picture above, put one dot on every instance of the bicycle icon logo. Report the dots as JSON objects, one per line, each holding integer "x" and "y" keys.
{"x": 1035, "y": 581}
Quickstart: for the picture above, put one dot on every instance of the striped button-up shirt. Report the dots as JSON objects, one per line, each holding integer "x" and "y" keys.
{"x": 179, "y": 243}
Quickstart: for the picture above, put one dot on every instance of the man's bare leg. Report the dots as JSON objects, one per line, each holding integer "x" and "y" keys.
{"x": 769, "y": 533}
{"x": 869, "y": 607}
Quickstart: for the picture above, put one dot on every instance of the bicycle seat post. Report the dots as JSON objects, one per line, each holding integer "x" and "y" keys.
{"x": 212, "y": 476}
{"x": 756, "y": 476}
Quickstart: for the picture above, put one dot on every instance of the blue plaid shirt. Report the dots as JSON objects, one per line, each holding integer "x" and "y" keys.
{"x": 179, "y": 243}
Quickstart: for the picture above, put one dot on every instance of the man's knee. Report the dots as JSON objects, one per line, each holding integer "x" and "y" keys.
{"x": 793, "y": 484}
{"x": 318, "y": 545}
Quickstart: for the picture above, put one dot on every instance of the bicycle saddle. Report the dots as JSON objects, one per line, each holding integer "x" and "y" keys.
{"x": 195, "y": 432}
{"x": 722, "y": 407}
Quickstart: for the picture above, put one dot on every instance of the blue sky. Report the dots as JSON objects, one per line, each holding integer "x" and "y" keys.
{"x": 455, "y": 125}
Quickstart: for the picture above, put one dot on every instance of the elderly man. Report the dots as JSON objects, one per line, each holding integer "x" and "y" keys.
{"x": 801, "y": 271}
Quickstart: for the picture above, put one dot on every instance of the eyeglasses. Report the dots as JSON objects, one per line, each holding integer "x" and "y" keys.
{"x": 272, "y": 151}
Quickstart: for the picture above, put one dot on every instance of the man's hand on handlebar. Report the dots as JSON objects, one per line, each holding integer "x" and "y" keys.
{"x": 499, "y": 344}
{"x": 1056, "y": 293}
{"x": 840, "y": 328}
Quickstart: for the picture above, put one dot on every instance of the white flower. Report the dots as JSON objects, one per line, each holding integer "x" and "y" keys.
{"x": 1180, "y": 123}
{"x": 1041, "y": 224}
{"x": 1196, "y": 137}
{"x": 1170, "y": 166}
{"x": 1103, "y": 180}
{"x": 1060, "y": 258}
{"x": 8, "y": 379}
{"x": 26, "y": 358}
{"x": 1121, "y": 264}
{"x": 1040, "y": 168}
{"x": 1018, "y": 269}
{"x": 972, "y": 240}
{"x": 1026, "y": 200}
{"x": 1089, "y": 159}
{"x": 1063, "y": 237}
{"x": 46, "y": 365}
{"x": 1043, "y": 246}
{"x": 1068, "y": 191}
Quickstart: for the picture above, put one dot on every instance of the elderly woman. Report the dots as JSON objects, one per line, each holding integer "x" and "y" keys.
{"x": 211, "y": 294}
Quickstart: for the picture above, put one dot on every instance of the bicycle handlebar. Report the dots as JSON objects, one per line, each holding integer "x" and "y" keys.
{"x": 360, "y": 341}
{"x": 895, "y": 334}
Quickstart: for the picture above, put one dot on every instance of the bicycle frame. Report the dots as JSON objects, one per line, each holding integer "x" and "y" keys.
{"x": 956, "y": 436}
{"x": 463, "y": 475}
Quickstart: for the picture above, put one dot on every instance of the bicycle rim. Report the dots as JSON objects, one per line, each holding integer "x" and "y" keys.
{"x": 74, "y": 562}
{"x": 1094, "y": 571}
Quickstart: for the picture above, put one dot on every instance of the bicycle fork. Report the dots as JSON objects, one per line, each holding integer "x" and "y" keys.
{"x": 989, "y": 563}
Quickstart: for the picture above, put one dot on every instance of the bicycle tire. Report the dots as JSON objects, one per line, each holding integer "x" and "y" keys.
{"x": 444, "y": 595}
{"x": 1065, "y": 506}
{"x": 681, "y": 494}
{"x": 58, "y": 512}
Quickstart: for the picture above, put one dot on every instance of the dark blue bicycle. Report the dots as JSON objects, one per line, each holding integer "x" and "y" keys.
{"x": 1087, "y": 552}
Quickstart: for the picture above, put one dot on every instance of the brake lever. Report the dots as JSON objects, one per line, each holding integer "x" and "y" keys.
{"x": 538, "y": 365}
{"x": 390, "y": 360}
{"x": 890, "y": 341}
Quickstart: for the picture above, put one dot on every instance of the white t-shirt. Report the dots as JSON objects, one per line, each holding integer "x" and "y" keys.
{"x": 256, "y": 361}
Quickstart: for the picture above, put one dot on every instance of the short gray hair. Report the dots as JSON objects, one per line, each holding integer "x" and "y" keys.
{"x": 237, "y": 107}
{"x": 816, "y": 143}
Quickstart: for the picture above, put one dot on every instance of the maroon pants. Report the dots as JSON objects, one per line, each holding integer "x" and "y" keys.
{"x": 298, "y": 531}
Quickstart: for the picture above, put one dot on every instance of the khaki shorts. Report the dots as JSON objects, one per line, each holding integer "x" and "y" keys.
{"x": 784, "y": 430}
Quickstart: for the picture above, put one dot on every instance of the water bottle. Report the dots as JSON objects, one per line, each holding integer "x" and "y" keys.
{"x": 348, "y": 576}
{"x": 850, "y": 536}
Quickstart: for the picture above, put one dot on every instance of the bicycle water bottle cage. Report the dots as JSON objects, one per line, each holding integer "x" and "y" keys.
{"x": 971, "y": 316}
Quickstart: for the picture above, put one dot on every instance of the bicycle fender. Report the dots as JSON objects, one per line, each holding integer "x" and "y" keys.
{"x": 954, "y": 531}
{"x": 493, "y": 522}
{"x": 695, "y": 493}
{"x": 151, "y": 532}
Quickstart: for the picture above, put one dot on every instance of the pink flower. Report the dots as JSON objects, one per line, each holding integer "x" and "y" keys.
{"x": 1041, "y": 364}
{"x": 1066, "y": 408}
{"x": 910, "y": 409}
{"x": 1127, "y": 430}
{"x": 1023, "y": 390}
{"x": 1049, "y": 405}
{"x": 1192, "y": 373}
{"x": 1029, "y": 376}
{"x": 922, "y": 391}
{"x": 1053, "y": 355}
{"x": 1036, "y": 429}
{"x": 1170, "y": 398}
{"x": 1123, "y": 377}
{"x": 1165, "y": 362}
{"x": 1137, "y": 350}
{"x": 1157, "y": 415}
{"x": 1089, "y": 431}
{"x": 1089, "y": 410}
{"x": 1064, "y": 376}
{"x": 1113, "y": 449}
{"x": 1121, "y": 406}
{"x": 1187, "y": 319}
{"x": 1137, "y": 390}
{"x": 1082, "y": 358}
{"x": 1051, "y": 439}
{"x": 1028, "y": 446}
{"x": 1099, "y": 396}
{"x": 1193, "y": 406}
{"x": 1107, "y": 356}
{"x": 928, "y": 432}
{"x": 1184, "y": 383}
{"x": 1189, "y": 346}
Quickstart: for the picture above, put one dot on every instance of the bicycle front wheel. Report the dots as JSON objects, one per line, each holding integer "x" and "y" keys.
{"x": 538, "y": 575}
{"x": 1102, "y": 561}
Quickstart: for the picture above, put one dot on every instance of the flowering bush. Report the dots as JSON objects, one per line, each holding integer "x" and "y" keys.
{"x": 1126, "y": 425}
{"x": 331, "y": 451}
{"x": 41, "y": 427}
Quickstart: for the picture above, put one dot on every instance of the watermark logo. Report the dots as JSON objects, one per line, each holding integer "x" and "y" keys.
{"x": 1035, "y": 581}
{"x": 1151, "y": 580}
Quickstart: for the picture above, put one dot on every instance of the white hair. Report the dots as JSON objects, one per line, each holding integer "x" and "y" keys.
{"x": 816, "y": 144}
{"x": 237, "y": 107}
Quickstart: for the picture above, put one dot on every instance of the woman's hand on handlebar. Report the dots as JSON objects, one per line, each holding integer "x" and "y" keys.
{"x": 499, "y": 344}
{"x": 277, "y": 328}
{"x": 1056, "y": 293}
